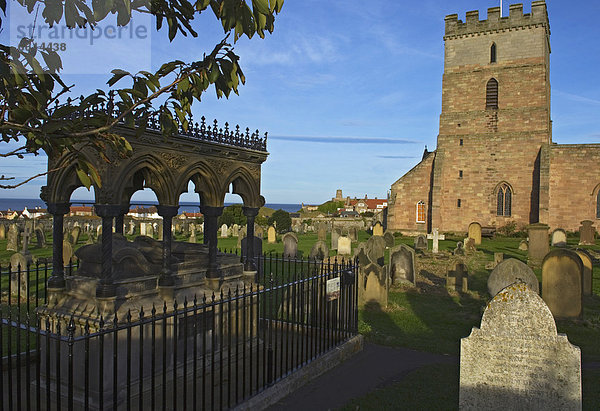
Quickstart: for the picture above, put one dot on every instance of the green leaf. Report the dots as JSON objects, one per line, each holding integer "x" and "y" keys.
{"x": 118, "y": 74}
{"x": 84, "y": 178}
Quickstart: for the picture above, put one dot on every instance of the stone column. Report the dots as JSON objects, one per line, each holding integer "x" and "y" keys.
{"x": 167, "y": 213}
{"x": 210, "y": 234}
{"x": 119, "y": 219}
{"x": 105, "y": 288}
{"x": 58, "y": 211}
{"x": 250, "y": 213}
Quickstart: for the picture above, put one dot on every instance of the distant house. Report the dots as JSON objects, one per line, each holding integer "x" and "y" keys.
{"x": 373, "y": 205}
{"x": 81, "y": 211}
{"x": 9, "y": 214}
{"x": 143, "y": 212}
{"x": 347, "y": 214}
{"x": 185, "y": 216}
{"x": 38, "y": 212}
{"x": 307, "y": 207}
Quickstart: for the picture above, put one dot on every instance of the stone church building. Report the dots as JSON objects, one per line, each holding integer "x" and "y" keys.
{"x": 495, "y": 162}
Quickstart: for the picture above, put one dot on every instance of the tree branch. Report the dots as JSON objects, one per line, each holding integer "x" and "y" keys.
{"x": 28, "y": 180}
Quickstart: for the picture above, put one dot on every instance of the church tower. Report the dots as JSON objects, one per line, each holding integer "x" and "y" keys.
{"x": 495, "y": 125}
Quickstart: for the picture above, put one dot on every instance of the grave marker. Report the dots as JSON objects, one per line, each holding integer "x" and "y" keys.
{"x": 319, "y": 251}
{"x": 344, "y": 246}
{"x": 538, "y": 243}
{"x": 271, "y": 237}
{"x": 378, "y": 229}
{"x": 559, "y": 238}
{"x": 587, "y": 233}
{"x": 588, "y": 267}
{"x": 402, "y": 265}
{"x": 435, "y": 236}
{"x": 290, "y": 245}
{"x": 457, "y": 278}
{"x": 421, "y": 242}
{"x": 475, "y": 232}
{"x": 562, "y": 283}
{"x": 511, "y": 271}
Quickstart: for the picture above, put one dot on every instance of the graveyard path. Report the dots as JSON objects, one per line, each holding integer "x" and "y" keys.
{"x": 374, "y": 367}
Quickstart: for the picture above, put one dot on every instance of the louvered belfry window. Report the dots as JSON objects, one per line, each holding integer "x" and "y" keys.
{"x": 491, "y": 94}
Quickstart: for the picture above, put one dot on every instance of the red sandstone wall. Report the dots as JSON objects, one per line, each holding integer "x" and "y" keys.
{"x": 574, "y": 183}
{"x": 406, "y": 193}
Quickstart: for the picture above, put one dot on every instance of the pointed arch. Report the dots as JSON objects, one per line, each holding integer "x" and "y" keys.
{"x": 491, "y": 94}
{"x": 246, "y": 186}
{"x": 504, "y": 197}
{"x": 149, "y": 171}
{"x": 493, "y": 53}
{"x": 206, "y": 184}
{"x": 64, "y": 181}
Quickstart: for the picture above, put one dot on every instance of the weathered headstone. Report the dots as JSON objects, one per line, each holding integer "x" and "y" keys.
{"x": 353, "y": 234}
{"x": 19, "y": 264}
{"x": 587, "y": 233}
{"x": 402, "y": 265}
{"x": 376, "y": 249}
{"x": 421, "y": 242}
{"x": 143, "y": 229}
{"x": 2, "y": 232}
{"x": 516, "y": 360}
{"x": 511, "y": 271}
{"x": 378, "y": 229}
{"x": 470, "y": 245}
{"x": 588, "y": 267}
{"x": 538, "y": 243}
{"x": 389, "y": 239}
{"x": 40, "y": 237}
{"x": 475, "y": 232}
{"x": 224, "y": 231}
{"x": 67, "y": 252}
{"x": 436, "y": 237}
{"x": 12, "y": 243}
{"x": 523, "y": 245}
{"x": 75, "y": 233}
{"x": 457, "y": 278}
{"x": 271, "y": 237}
{"x": 319, "y": 251}
{"x": 335, "y": 235}
{"x": 235, "y": 230}
{"x": 259, "y": 231}
{"x": 373, "y": 285}
{"x": 193, "y": 238}
{"x": 459, "y": 250}
{"x": 290, "y": 245}
{"x": 344, "y": 246}
{"x": 322, "y": 233}
{"x": 360, "y": 253}
{"x": 559, "y": 238}
{"x": 160, "y": 231}
{"x": 257, "y": 247}
{"x": 562, "y": 283}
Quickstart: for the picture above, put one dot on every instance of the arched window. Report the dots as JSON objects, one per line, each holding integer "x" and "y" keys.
{"x": 491, "y": 94}
{"x": 504, "y": 201}
{"x": 420, "y": 212}
{"x": 493, "y": 53}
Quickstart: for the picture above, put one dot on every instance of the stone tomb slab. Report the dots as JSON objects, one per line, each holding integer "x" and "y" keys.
{"x": 562, "y": 283}
{"x": 516, "y": 360}
{"x": 402, "y": 265}
{"x": 510, "y": 271}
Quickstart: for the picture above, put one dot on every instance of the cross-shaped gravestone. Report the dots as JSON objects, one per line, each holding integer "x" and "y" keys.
{"x": 435, "y": 236}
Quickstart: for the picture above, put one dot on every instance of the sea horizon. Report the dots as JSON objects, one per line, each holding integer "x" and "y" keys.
{"x": 18, "y": 204}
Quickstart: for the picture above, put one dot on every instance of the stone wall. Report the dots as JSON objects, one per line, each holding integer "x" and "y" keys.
{"x": 411, "y": 188}
{"x": 574, "y": 184}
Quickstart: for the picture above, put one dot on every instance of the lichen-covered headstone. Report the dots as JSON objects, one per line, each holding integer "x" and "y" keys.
{"x": 67, "y": 252}
{"x": 523, "y": 245}
{"x": 353, "y": 234}
{"x": 74, "y": 236}
{"x": 402, "y": 265}
{"x": 360, "y": 253}
{"x": 562, "y": 283}
{"x": 516, "y": 360}
{"x": 539, "y": 245}
{"x": 510, "y": 271}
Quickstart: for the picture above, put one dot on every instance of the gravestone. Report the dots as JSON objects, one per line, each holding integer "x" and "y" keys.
{"x": 319, "y": 251}
{"x": 257, "y": 247}
{"x": 559, "y": 238}
{"x": 224, "y": 231}
{"x": 587, "y": 233}
{"x": 290, "y": 245}
{"x": 271, "y": 237}
{"x": 241, "y": 235}
{"x": 322, "y": 233}
{"x": 538, "y": 243}
{"x": 373, "y": 285}
{"x": 99, "y": 230}
{"x": 470, "y": 245}
{"x": 131, "y": 230}
{"x": 516, "y": 360}
{"x": 235, "y": 230}
{"x": 40, "y": 237}
{"x": 402, "y": 265}
{"x": 360, "y": 253}
{"x": 562, "y": 283}
{"x": 335, "y": 235}
{"x": 376, "y": 249}
{"x": 498, "y": 258}
{"x": 12, "y": 238}
{"x": 511, "y": 271}
{"x": 475, "y": 232}
{"x": 344, "y": 246}
{"x": 459, "y": 250}
{"x": 67, "y": 252}
{"x": 389, "y": 239}
{"x": 435, "y": 236}
{"x": 523, "y": 246}
{"x": 421, "y": 242}
{"x": 149, "y": 230}
{"x": 588, "y": 267}
{"x": 75, "y": 233}
{"x": 160, "y": 231}
{"x": 353, "y": 234}
{"x": 193, "y": 238}
{"x": 2, "y": 232}
{"x": 378, "y": 229}
{"x": 143, "y": 229}
{"x": 457, "y": 278}
{"x": 259, "y": 231}
{"x": 19, "y": 263}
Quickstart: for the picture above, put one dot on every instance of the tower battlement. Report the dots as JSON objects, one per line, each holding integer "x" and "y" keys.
{"x": 516, "y": 19}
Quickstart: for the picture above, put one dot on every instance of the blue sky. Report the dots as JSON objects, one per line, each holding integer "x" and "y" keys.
{"x": 350, "y": 91}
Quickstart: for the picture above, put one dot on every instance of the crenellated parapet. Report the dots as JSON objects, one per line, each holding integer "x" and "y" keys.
{"x": 495, "y": 23}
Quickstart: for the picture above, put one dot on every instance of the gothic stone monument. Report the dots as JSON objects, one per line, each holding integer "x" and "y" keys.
{"x": 516, "y": 360}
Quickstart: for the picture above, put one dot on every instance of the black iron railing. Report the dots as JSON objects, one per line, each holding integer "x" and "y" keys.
{"x": 213, "y": 352}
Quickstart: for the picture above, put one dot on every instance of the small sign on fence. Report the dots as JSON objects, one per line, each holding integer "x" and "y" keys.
{"x": 333, "y": 289}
